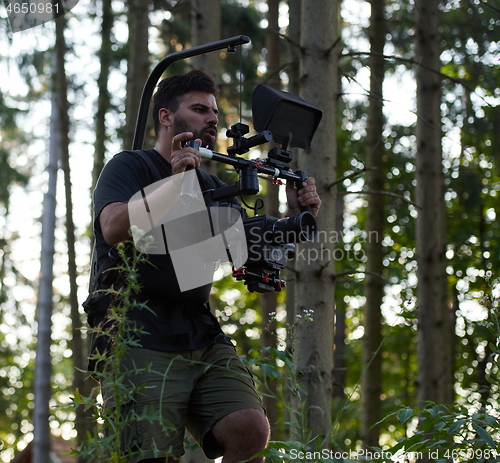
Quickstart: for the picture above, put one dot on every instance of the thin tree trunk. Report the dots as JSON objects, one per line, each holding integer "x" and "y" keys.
{"x": 269, "y": 301}
{"x": 339, "y": 356}
{"x": 83, "y": 424}
{"x": 79, "y": 346}
{"x": 206, "y": 28}
{"x": 138, "y": 65}
{"x": 315, "y": 276}
{"x": 375, "y": 220}
{"x": 434, "y": 378}
{"x": 43, "y": 365}
{"x": 103, "y": 104}
{"x": 293, "y": 71}
{"x": 273, "y": 45}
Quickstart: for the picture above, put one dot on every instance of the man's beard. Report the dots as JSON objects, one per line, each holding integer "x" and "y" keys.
{"x": 180, "y": 126}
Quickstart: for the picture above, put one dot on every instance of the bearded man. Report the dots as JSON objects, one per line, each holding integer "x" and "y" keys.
{"x": 183, "y": 366}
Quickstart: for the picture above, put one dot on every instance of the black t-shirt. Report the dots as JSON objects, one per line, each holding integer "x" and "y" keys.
{"x": 175, "y": 320}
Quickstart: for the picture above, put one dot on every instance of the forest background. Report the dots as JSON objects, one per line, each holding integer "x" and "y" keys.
{"x": 396, "y": 305}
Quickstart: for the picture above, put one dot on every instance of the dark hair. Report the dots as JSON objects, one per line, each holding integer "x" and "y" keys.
{"x": 170, "y": 90}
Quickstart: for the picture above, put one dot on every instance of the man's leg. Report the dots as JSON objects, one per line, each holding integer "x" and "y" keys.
{"x": 242, "y": 434}
{"x": 226, "y": 416}
{"x": 163, "y": 381}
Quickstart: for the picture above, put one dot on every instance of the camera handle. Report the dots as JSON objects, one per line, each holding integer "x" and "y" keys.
{"x": 298, "y": 183}
{"x": 241, "y": 144}
{"x": 248, "y": 169}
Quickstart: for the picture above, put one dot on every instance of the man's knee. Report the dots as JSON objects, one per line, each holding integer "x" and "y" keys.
{"x": 254, "y": 424}
{"x": 248, "y": 426}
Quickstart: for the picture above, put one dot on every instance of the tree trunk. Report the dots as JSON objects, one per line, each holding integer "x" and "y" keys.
{"x": 315, "y": 264}
{"x": 375, "y": 220}
{"x": 79, "y": 347}
{"x": 43, "y": 366}
{"x": 103, "y": 103}
{"x": 339, "y": 356}
{"x": 138, "y": 65}
{"x": 434, "y": 378}
{"x": 293, "y": 69}
{"x": 273, "y": 45}
{"x": 269, "y": 301}
{"x": 206, "y": 28}
{"x": 293, "y": 72}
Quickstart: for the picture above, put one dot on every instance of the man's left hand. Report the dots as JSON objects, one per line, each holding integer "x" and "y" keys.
{"x": 305, "y": 196}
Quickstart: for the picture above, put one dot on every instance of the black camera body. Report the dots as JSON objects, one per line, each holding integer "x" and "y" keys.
{"x": 270, "y": 243}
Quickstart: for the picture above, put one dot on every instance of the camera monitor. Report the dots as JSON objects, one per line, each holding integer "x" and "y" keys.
{"x": 291, "y": 119}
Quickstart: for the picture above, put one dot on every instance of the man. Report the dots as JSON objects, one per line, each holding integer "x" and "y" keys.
{"x": 189, "y": 367}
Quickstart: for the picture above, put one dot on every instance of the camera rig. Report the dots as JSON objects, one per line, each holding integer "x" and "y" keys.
{"x": 278, "y": 116}
{"x": 270, "y": 241}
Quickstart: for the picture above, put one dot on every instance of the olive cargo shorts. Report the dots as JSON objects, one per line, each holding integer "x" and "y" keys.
{"x": 178, "y": 390}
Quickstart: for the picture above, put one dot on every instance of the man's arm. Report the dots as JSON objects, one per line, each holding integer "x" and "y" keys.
{"x": 115, "y": 223}
{"x": 115, "y": 217}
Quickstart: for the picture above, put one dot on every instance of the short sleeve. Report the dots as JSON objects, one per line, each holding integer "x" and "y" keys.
{"x": 122, "y": 177}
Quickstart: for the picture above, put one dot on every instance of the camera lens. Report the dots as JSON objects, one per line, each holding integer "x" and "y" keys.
{"x": 296, "y": 229}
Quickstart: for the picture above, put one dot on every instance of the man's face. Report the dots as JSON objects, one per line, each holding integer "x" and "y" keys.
{"x": 198, "y": 113}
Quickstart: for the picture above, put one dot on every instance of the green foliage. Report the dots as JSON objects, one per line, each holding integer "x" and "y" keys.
{"x": 459, "y": 432}
{"x": 446, "y": 433}
{"x": 238, "y": 312}
{"x": 292, "y": 399}
{"x": 16, "y": 366}
{"x": 16, "y": 396}
{"x": 106, "y": 443}
{"x": 12, "y": 137}
{"x": 468, "y": 431}
{"x": 242, "y": 20}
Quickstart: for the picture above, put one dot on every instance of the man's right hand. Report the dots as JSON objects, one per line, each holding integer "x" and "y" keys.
{"x": 183, "y": 157}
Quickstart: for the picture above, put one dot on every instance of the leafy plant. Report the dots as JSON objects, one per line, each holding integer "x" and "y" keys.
{"x": 106, "y": 443}
{"x": 459, "y": 432}
{"x": 445, "y": 434}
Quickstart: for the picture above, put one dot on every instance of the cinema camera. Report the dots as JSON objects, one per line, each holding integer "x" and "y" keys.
{"x": 289, "y": 121}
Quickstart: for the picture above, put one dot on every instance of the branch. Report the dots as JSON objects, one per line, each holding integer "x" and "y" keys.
{"x": 269, "y": 76}
{"x": 489, "y": 6}
{"x": 289, "y": 40}
{"x": 414, "y": 62}
{"x": 351, "y": 175}
{"x": 355, "y": 272}
{"x": 297, "y": 45}
{"x": 327, "y": 52}
{"x": 320, "y": 270}
{"x": 379, "y": 192}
